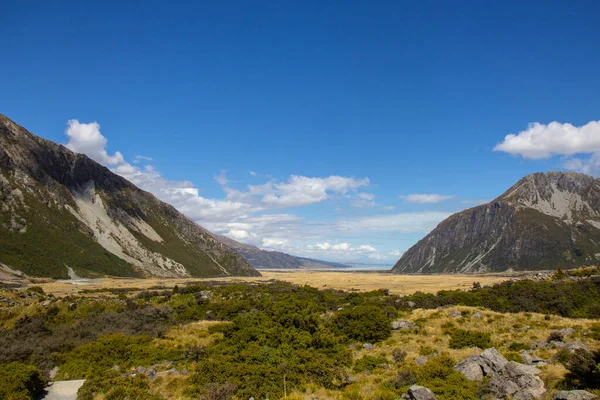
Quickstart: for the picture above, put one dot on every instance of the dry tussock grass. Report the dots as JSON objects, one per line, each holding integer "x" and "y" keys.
{"x": 358, "y": 281}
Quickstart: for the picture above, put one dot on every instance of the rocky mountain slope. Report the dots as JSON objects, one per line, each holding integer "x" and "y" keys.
{"x": 275, "y": 259}
{"x": 60, "y": 210}
{"x": 544, "y": 221}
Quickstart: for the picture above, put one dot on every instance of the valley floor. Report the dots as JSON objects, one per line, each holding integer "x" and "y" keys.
{"x": 343, "y": 280}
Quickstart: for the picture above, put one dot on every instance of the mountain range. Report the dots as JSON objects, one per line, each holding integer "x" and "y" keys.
{"x": 544, "y": 221}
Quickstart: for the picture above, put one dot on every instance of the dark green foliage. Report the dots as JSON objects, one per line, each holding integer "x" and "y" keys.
{"x": 460, "y": 338}
{"x": 442, "y": 379}
{"x": 584, "y": 369}
{"x": 568, "y": 298}
{"x": 364, "y": 323}
{"x": 36, "y": 289}
{"x": 39, "y": 338}
{"x": 118, "y": 349}
{"x": 20, "y": 382}
{"x": 517, "y": 346}
{"x": 369, "y": 363}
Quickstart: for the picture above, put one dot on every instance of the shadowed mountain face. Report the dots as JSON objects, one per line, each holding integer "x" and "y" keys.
{"x": 275, "y": 259}
{"x": 544, "y": 221}
{"x": 60, "y": 210}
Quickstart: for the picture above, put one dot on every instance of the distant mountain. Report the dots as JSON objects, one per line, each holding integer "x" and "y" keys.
{"x": 61, "y": 210}
{"x": 264, "y": 259}
{"x": 544, "y": 221}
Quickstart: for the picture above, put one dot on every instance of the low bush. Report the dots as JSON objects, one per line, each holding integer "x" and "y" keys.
{"x": 584, "y": 369}
{"x": 20, "y": 381}
{"x": 125, "y": 351}
{"x": 461, "y": 338}
{"x": 364, "y": 323}
{"x": 114, "y": 387}
{"x": 368, "y": 363}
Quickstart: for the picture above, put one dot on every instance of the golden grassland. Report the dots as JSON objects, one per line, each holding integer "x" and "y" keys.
{"x": 358, "y": 281}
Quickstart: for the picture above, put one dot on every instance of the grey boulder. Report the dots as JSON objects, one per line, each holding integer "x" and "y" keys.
{"x": 519, "y": 381}
{"x": 573, "y": 395}
{"x": 416, "y": 392}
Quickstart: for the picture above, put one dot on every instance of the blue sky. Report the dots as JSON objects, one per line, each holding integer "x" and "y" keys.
{"x": 307, "y": 126}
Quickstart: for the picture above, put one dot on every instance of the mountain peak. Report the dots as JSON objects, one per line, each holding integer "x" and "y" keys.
{"x": 543, "y": 221}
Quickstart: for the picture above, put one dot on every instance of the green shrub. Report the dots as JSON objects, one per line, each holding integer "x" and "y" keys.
{"x": 20, "y": 381}
{"x": 364, "y": 323}
{"x": 584, "y": 369}
{"x": 460, "y": 338}
{"x": 517, "y": 346}
{"x": 36, "y": 289}
{"x": 368, "y": 363}
{"x": 442, "y": 379}
{"x": 125, "y": 351}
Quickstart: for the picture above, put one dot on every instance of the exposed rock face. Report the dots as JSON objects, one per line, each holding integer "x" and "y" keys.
{"x": 416, "y": 392}
{"x": 518, "y": 381}
{"x": 476, "y": 367}
{"x": 508, "y": 379}
{"x": 545, "y": 220}
{"x": 275, "y": 259}
{"x": 61, "y": 210}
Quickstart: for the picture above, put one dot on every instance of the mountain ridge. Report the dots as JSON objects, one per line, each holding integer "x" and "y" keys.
{"x": 543, "y": 221}
{"x": 61, "y": 209}
{"x": 266, "y": 259}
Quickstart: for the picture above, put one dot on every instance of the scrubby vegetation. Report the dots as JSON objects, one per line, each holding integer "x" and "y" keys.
{"x": 567, "y": 298}
{"x": 223, "y": 341}
{"x": 20, "y": 381}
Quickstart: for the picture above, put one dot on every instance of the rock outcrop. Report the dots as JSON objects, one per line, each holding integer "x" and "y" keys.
{"x": 544, "y": 221}
{"x": 62, "y": 212}
{"x": 507, "y": 378}
{"x": 416, "y": 392}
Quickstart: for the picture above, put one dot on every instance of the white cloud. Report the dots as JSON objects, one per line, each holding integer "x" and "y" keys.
{"x": 273, "y": 242}
{"x": 364, "y": 200}
{"x": 345, "y": 247}
{"x": 396, "y": 253}
{"x": 238, "y": 234}
{"x": 543, "y": 141}
{"x": 87, "y": 139}
{"x": 252, "y": 173}
{"x": 425, "y": 198}
{"x": 222, "y": 178}
{"x": 138, "y": 158}
{"x": 302, "y": 190}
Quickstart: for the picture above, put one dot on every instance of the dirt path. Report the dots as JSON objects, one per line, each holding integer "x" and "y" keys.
{"x": 62, "y": 390}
